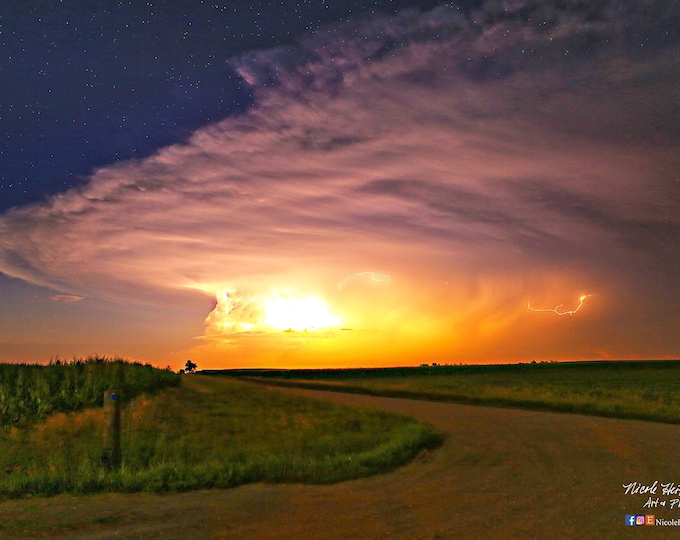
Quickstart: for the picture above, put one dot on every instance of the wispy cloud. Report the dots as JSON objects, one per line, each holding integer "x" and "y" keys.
{"x": 526, "y": 140}
{"x": 69, "y": 298}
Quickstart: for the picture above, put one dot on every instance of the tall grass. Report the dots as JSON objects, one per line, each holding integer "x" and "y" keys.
{"x": 30, "y": 393}
{"x": 209, "y": 433}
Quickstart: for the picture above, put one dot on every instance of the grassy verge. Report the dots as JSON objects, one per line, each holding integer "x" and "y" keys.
{"x": 210, "y": 433}
{"x": 633, "y": 390}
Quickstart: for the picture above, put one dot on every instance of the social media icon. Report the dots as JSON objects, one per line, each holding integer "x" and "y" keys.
{"x": 630, "y": 520}
{"x": 639, "y": 520}
{"x": 649, "y": 519}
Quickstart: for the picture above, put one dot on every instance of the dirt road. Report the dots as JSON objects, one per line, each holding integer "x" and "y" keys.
{"x": 502, "y": 473}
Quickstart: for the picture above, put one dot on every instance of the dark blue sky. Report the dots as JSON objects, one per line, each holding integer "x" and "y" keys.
{"x": 85, "y": 84}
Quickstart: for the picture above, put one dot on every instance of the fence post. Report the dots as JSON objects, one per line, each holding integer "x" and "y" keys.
{"x": 112, "y": 456}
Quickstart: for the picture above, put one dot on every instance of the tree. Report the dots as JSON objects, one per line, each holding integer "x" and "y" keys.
{"x": 190, "y": 367}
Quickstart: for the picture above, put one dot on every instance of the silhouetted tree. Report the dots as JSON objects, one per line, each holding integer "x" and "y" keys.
{"x": 190, "y": 367}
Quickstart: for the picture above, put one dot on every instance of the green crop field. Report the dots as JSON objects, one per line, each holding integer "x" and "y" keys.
{"x": 645, "y": 390}
{"x": 208, "y": 433}
{"x": 29, "y": 393}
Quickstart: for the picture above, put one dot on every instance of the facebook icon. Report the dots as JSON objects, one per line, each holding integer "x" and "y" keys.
{"x": 630, "y": 520}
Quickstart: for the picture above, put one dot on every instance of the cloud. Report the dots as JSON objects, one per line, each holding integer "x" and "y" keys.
{"x": 527, "y": 140}
{"x": 69, "y": 298}
{"x": 234, "y": 314}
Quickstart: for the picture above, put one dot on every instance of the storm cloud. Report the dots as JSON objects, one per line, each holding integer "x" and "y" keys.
{"x": 529, "y": 148}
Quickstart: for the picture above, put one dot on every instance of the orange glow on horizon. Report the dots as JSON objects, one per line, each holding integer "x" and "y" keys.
{"x": 375, "y": 321}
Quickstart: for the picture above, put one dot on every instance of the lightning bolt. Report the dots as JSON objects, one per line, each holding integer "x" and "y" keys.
{"x": 557, "y": 309}
{"x": 374, "y": 277}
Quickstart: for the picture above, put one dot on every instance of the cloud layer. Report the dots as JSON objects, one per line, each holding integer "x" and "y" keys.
{"x": 525, "y": 150}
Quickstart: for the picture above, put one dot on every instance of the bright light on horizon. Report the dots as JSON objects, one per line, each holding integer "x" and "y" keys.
{"x": 298, "y": 314}
{"x": 268, "y": 313}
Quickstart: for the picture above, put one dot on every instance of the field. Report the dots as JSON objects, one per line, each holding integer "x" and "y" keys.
{"x": 29, "y": 393}
{"x": 635, "y": 390}
{"x": 501, "y": 472}
{"x": 210, "y": 433}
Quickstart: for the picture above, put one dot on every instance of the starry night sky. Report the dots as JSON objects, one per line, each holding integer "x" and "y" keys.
{"x": 89, "y": 83}
{"x": 338, "y": 184}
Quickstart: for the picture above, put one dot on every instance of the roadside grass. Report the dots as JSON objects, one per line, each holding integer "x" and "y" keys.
{"x": 632, "y": 390}
{"x": 209, "y": 433}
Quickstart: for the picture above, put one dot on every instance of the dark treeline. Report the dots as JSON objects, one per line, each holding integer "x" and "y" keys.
{"x": 29, "y": 392}
{"x": 438, "y": 369}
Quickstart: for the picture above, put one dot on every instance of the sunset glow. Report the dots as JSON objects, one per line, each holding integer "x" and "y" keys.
{"x": 274, "y": 312}
{"x": 373, "y": 276}
{"x": 298, "y": 314}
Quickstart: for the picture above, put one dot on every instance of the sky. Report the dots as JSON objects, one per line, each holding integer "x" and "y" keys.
{"x": 308, "y": 184}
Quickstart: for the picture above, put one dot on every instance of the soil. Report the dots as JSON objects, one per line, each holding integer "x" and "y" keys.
{"x": 502, "y": 473}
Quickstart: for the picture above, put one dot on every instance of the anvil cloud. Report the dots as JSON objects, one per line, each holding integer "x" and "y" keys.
{"x": 526, "y": 152}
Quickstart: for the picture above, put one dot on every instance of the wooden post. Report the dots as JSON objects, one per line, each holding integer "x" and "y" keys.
{"x": 112, "y": 454}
